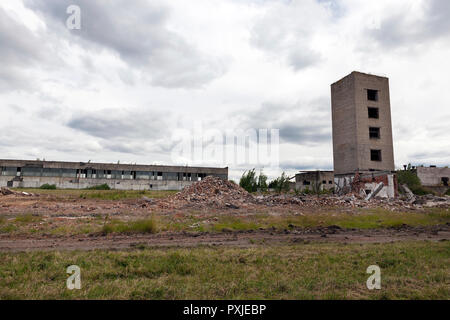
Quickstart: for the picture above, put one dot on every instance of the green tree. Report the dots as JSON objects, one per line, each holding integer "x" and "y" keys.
{"x": 248, "y": 180}
{"x": 262, "y": 181}
{"x": 281, "y": 184}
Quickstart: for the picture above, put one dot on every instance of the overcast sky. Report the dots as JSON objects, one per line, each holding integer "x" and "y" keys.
{"x": 137, "y": 70}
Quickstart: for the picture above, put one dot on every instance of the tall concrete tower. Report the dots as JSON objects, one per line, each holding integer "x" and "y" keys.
{"x": 362, "y": 129}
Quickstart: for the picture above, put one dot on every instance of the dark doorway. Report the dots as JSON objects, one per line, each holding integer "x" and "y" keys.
{"x": 445, "y": 181}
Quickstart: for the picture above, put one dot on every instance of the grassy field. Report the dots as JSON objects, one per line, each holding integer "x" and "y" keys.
{"x": 363, "y": 219}
{"x": 409, "y": 270}
{"x": 29, "y": 224}
{"x": 100, "y": 194}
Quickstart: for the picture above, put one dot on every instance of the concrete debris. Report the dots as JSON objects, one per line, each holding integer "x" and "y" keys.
{"x": 409, "y": 194}
{"x": 213, "y": 192}
{"x": 210, "y": 192}
{"x": 6, "y": 191}
{"x": 147, "y": 199}
{"x": 375, "y": 191}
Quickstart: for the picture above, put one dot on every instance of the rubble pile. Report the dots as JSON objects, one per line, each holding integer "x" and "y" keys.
{"x": 211, "y": 191}
{"x": 6, "y": 191}
{"x": 279, "y": 199}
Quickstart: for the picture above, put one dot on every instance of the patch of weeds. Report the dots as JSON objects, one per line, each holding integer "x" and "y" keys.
{"x": 8, "y": 228}
{"x": 99, "y": 187}
{"x": 47, "y": 186}
{"x": 27, "y": 218}
{"x": 138, "y": 226}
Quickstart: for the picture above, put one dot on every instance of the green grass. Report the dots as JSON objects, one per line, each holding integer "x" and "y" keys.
{"x": 409, "y": 270}
{"x": 100, "y": 194}
{"x": 99, "y": 187}
{"x": 148, "y": 225}
{"x": 200, "y": 222}
{"x": 27, "y": 218}
{"x": 362, "y": 219}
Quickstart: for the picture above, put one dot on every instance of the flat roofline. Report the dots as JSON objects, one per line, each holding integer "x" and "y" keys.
{"x": 81, "y": 163}
{"x": 309, "y": 171}
{"x": 358, "y": 72}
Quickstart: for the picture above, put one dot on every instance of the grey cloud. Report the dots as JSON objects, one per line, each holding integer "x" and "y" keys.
{"x": 423, "y": 155}
{"x": 20, "y": 49}
{"x": 397, "y": 31}
{"x": 304, "y": 134}
{"x": 110, "y": 124}
{"x": 285, "y": 35}
{"x": 303, "y": 58}
{"x": 302, "y": 123}
{"x": 138, "y": 33}
{"x": 306, "y": 165}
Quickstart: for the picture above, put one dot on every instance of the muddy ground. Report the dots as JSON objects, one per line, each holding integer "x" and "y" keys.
{"x": 233, "y": 238}
{"x": 203, "y": 204}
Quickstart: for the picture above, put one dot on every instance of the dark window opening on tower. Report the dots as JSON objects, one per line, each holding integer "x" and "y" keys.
{"x": 374, "y": 133}
{"x": 375, "y": 155}
{"x": 306, "y": 183}
{"x": 372, "y": 95}
{"x": 373, "y": 113}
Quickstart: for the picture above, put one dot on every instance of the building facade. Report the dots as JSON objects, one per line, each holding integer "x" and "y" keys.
{"x": 434, "y": 176}
{"x": 309, "y": 179}
{"x": 362, "y": 130}
{"x": 363, "y": 151}
{"x": 80, "y": 175}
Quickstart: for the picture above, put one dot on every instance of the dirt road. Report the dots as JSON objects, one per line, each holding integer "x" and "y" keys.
{"x": 239, "y": 239}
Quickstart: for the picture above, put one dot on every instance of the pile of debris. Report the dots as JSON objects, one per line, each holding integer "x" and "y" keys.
{"x": 279, "y": 199}
{"x": 210, "y": 192}
{"x": 214, "y": 192}
{"x": 6, "y": 191}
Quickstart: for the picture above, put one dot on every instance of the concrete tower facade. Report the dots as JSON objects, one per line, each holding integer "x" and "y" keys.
{"x": 362, "y": 129}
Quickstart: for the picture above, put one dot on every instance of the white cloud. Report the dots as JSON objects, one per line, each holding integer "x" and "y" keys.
{"x": 136, "y": 71}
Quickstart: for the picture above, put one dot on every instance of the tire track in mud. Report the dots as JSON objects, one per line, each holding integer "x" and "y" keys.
{"x": 332, "y": 234}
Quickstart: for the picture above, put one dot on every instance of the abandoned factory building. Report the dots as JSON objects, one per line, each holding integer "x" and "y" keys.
{"x": 78, "y": 175}
{"x": 437, "y": 179}
{"x": 363, "y": 152}
{"x": 309, "y": 180}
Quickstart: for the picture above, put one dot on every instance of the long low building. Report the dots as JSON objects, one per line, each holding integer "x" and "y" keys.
{"x": 80, "y": 175}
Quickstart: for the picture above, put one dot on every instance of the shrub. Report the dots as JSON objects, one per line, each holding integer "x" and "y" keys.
{"x": 448, "y": 192}
{"x": 100, "y": 187}
{"x": 410, "y": 178}
{"x": 248, "y": 180}
{"x": 251, "y": 183}
{"x": 48, "y": 186}
{"x": 281, "y": 183}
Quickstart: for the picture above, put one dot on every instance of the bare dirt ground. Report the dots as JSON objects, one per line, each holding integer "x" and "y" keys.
{"x": 188, "y": 218}
{"x": 239, "y": 239}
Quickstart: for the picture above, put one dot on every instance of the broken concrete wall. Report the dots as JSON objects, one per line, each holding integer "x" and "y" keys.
{"x": 305, "y": 180}
{"x": 434, "y": 176}
{"x": 365, "y": 183}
